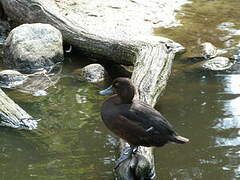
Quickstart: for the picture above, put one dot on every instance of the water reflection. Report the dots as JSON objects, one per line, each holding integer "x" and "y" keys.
{"x": 231, "y": 109}
{"x": 228, "y": 141}
{"x": 231, "y": 83}
{"x": 228, "y": 125}
{"x": 205, "y": 108}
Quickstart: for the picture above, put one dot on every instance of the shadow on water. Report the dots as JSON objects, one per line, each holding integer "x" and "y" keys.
{"x": 72, "y": 142}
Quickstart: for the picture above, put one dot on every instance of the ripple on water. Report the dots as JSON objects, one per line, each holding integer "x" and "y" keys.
{"x": 228, "y": 123}
{"x": 220, "y": 141}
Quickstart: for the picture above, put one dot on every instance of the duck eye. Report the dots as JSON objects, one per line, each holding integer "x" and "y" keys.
{"x": 116, "y": 84}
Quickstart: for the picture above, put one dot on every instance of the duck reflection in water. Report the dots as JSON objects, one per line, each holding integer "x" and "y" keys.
{"x": 134, "y": 121}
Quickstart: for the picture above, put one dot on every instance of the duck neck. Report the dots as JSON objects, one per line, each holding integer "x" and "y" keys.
{"x": 127, "y": 96}
{"x": 126, "y": 100}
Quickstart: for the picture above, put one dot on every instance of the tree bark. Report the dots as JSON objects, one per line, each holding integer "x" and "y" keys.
{"x": 12, "y": 115}
{"x": 151, "y": 56}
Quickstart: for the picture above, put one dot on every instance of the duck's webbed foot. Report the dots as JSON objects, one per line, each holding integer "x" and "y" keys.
{"x": 126, "y": 154}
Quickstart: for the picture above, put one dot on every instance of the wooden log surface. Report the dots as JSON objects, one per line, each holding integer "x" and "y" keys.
{"x": 12, "y": 115}
{"x": 151, "y": 56}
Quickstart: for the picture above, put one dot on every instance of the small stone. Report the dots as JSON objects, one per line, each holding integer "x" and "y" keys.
{"x": 217, "y": 64}
{"x": 93, "y": 73}
{"x": 214, "y": 64}
{"x": 208, "y": 50}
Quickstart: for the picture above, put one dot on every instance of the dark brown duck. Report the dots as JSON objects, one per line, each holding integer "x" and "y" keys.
{"x": 134, "y": 121}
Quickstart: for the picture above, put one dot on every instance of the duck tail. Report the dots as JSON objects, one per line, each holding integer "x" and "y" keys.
{"x": 179, "y": 139}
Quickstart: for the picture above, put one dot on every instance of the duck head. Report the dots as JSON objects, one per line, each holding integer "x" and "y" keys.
{"x": 123, "y": 87}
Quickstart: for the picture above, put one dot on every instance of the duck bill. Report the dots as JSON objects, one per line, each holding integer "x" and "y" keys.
{"x": 107, "y": 91}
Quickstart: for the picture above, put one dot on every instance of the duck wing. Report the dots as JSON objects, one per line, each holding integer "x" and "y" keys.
{"x": 148, "y": 118}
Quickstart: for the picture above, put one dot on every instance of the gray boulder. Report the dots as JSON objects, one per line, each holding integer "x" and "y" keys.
{"x": 33, "y": 47}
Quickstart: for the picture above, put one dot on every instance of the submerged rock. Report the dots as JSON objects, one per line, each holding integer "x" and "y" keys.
{"x": 35, "y": 84}
{"x": 93, "y": 73}
{"x": 11, "y": 79}
{"x": 31, "y": 47}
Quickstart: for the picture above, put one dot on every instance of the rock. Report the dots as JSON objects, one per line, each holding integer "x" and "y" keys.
{"x": 208, "y": 50}
{"x": 214, "y": 64}
{"x": 33, "y": 47}
{"x": 217, "y": 64}
{"x": 11, "y": 79}
{"x": 93, "y": 73}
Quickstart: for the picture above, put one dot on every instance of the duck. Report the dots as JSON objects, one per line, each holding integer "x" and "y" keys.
{"x": 135, "y": 121}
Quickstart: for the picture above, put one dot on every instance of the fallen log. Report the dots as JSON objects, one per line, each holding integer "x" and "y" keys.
{"x": 46, "y": 11}
{"x": 12, "y": 115}
{"x": 151, "y": 56}
{"x": 150, "y": 75}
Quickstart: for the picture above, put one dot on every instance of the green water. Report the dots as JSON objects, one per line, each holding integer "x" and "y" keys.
{"x": 72, "y": 142}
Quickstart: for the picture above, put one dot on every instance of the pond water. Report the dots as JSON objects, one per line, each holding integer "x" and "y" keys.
{"x": 72, "y": 142}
